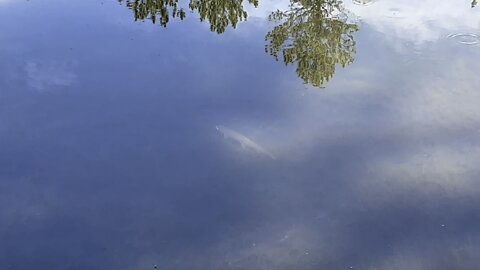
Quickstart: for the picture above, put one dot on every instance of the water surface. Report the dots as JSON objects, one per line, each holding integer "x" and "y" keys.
{"x": 110, "y": 157}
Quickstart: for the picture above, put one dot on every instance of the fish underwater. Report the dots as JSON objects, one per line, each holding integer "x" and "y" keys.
{"x": 245, "y": 142}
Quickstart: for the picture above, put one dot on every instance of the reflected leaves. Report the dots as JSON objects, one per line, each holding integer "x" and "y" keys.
{"x": 313, "y": 34}
{"x": 219, "y": 13}
{"x": 155, "y": 10}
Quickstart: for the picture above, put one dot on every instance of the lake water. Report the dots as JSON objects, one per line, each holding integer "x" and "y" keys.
{"x": 210, "y": 135}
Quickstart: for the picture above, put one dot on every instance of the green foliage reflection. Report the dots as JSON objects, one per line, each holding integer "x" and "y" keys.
{"x": 219, "y": 13}
{"x": 313, "y": 34}
{"x": 153, "y": 9}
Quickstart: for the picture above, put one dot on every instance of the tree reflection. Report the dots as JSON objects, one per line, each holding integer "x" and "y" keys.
{"x": 313, "y": 34}
{"x": 155, "y": 10}
{"x": 219, "y": 13}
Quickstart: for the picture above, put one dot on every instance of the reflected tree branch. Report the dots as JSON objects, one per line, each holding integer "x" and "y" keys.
{"x": 219, "y": 13}
{"x": 315, "y": 36}
{"x": 153, "y": 9}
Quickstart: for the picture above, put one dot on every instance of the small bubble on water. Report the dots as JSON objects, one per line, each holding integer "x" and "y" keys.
{"x": 394, "y": 13}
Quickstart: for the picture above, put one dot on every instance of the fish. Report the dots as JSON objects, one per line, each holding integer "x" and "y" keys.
{"x": 245, "y": 142}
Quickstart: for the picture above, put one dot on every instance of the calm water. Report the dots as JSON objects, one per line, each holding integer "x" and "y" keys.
{"x": 161, "y": 135}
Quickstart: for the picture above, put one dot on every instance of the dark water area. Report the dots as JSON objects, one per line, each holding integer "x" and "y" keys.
{"x": 216, "y": 135}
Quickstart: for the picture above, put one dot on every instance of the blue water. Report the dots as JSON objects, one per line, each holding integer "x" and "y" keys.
{"x": 110, "y": 159}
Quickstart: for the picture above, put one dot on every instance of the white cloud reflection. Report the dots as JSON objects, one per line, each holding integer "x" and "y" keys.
{"x": 430, "y": 108}
{"x": 43, "y": 76}
{"x": 264, "y": 8}
{"x": 418, "y": 22}
{"x": 409, "y": 21}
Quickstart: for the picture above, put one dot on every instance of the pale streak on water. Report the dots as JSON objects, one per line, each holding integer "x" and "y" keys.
{"x": 243, "y": 141}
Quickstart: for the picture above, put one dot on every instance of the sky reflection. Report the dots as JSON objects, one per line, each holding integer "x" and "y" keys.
{"x": 111, "y": 159}
{"x": 418, "y": 22}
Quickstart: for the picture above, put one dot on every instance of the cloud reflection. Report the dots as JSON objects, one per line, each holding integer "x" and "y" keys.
{"x": 417, "y": 22}
{"x": 44, "y": 76}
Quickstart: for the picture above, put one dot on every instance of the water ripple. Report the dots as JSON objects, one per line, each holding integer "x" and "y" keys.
{"x": 363, "y": 2}
{"x": 465, "y": 38}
